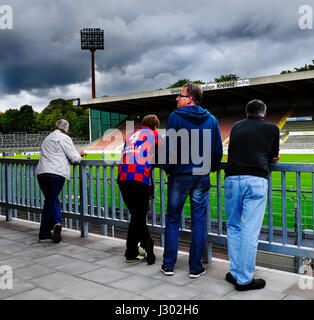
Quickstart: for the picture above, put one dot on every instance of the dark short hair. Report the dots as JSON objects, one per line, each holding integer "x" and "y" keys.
{"x": 256, "y": 108}
{"x": 195, "y": 92}
{"x": 151, "y": 121}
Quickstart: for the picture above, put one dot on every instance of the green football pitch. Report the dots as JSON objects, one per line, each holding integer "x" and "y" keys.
{"x": 291, "y": 196}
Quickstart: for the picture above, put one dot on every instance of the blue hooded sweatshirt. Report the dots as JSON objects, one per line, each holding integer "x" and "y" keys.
{"x": 189, "y": 118}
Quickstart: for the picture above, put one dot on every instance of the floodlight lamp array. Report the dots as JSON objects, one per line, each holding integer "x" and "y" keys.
{"x": 92, "y": 39}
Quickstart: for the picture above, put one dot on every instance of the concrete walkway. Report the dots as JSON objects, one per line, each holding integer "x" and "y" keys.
{"x": 93, "y": 268}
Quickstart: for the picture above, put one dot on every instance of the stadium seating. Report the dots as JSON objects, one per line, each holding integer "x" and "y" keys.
{"x": 299, "y": 135}
{"x": 227, "y": 120}
{"x": 298, "y": 142}
{"x": 111, "y": 141}
{"x": 21, "y": 140}
{"x": 298, "y": 126}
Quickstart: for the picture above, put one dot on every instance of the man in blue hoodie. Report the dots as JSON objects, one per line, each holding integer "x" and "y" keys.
{"x": 189, "y": 162}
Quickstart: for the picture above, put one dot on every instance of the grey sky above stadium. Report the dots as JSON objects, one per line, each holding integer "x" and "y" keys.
{"x": 148, "y": 45}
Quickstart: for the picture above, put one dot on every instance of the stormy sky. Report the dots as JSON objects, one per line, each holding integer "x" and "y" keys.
{"x": 149, "y": 44}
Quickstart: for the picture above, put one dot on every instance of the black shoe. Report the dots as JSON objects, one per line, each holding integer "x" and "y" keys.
{"x": 166, "y": 272}
{"x": 231, "y": 279}
{"x": 255, "y": 284}
{"x": 197, "y": 274}
{"x": 149, "y": 248}
{"x": 57, "y": 232}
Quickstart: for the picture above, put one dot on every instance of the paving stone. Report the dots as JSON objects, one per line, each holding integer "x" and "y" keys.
{"x": 13, "y": 249}
{"x": 104, "y": 275}
{"x": 32, "y": 253}
{"x": 54, "y": 260}
{"x": 261, "y": 294}
{"x": 304, "y": 289}
{"x": 55, "y": 280}
{"x": 91, "y": 255}
{"x": 292, "y": 297}
{"x": 31, "y": 271}
{"x": 14, "y": 235}
{"x": 19, "y": 286}
{"x": 143, "y": 268}
{"x": 16, "y": 262}
{"x": 211, "y": 288}
{"x": 77, "y": 267}
{"x": 218, "y": 269}
{"x": 81, "y": 290}
{"x": 135, "y": 283}
{"x": 5, "y": 242}
{"x": 36, "y": 294}
{"x": 71, "y": 250}
{"x": 4, "y": 256}
{"x": 169, "y": 291}
{"x": 281, "y": 281}
{"x": 110, "y": 293}
{"x": 95, "y": 268}
{"x": 115, "y": 262}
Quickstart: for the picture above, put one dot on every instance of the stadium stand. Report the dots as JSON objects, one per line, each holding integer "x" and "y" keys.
{"x": 298, "y": 142}
{"x": 27, "y": 141}
{"x": 112, "y": 141}
{"x": 227, "y": 120}
{"x": 298, "y": 126}
{"x": 298, "y": 135}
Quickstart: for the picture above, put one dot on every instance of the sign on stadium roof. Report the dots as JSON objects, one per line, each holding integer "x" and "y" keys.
{"x": 218, "y": 85}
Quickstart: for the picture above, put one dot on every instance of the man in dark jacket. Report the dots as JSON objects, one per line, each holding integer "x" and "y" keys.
{"x": 254, "y": 143}
{"x": 189, "y": 162}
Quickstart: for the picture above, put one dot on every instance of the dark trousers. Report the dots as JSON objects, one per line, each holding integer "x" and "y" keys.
{"x": 51, "y": 188}
{"x": 136, "y": 197}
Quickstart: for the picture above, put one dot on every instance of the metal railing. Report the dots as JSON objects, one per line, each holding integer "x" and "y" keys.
{"x": 93, "y": 197}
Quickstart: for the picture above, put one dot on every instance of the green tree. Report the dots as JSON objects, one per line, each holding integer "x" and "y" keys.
{"x": 10, "y": 121}
{"x": 64, "y": 109}
{"x": 181, "y": 82}
{"x": 307, "y": 67}
{"x": 178, "y": 84}
{"x": 27, "y": 119}
{"x": 228, "y": 77}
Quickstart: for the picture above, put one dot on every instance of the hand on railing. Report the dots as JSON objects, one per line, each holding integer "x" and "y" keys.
{"x": 276, "y": 159}
{"x": 82, "y": 152}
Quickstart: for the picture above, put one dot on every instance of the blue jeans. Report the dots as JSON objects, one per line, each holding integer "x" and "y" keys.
{"x": 51, "y": 187}
{"x": 179, "y": 187}
{"x": 245, "y": 203}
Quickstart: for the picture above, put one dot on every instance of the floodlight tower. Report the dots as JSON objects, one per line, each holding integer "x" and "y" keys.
{"x": 92, "y": 39}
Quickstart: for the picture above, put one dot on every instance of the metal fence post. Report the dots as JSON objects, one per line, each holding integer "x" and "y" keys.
{"x": 8, "y": 193}
{"x": 162, "y": 206}
{"x": 83, "y": 200}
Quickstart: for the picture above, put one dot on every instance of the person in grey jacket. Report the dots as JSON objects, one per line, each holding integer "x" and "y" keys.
{"x": 57, "y": 153}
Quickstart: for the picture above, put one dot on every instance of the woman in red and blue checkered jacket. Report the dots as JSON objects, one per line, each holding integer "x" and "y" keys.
{"x": 134, "y": 180}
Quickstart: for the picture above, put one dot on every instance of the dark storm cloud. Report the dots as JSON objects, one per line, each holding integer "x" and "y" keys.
{"x": 148, "y": 44}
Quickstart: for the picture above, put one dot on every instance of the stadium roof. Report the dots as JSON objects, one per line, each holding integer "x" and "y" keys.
{"x": 264, "y": 88}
